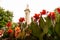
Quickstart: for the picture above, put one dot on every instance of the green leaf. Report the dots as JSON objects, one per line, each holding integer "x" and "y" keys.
{"x": 35, "y": 29}
{"x": 48, "y": 22}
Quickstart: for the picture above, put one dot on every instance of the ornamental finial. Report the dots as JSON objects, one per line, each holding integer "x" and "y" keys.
{"x": 27, "y": 6}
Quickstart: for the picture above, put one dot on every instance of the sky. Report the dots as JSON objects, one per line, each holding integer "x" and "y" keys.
{"x": 35, "y": 6}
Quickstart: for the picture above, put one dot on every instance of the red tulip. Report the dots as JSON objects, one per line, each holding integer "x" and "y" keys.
{"x": 9, "y": 24}
{"x": 43, "y": 12}
{"x": 21, "y": 19}
{"x": 58, "y": 10}
{"x": 10, "y": 31}
{"x": 51, "y": 15}
{"x": 36, "y": 16}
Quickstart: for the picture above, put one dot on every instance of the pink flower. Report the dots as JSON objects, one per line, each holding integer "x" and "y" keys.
{"x": 1, "y": 33}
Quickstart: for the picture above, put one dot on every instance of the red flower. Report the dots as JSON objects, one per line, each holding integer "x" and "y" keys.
{"x": 58, "y": 10}
{"x": 51, "y": 15}
{"x": 21, "y": 19}
{"x": 9, "y": 24}
{"x": 10, "y": 31}
{"x": 36, "y": 16}
{"x": 43, "y": 12}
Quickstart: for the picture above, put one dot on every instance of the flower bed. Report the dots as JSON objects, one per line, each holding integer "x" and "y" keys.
{"x": 40, "y": 28}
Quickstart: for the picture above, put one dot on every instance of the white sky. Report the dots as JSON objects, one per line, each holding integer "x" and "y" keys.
{"x": 18, "y": 6}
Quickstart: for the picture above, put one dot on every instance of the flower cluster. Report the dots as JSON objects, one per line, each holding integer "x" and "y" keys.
{"x": 37, "y": 16}
{"x": 50, "y": 15}
{"x": 19, "y": 30}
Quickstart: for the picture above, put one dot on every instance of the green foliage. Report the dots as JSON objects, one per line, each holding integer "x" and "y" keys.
{"x": 41, "y": 29}
{"x": 48, "y": 25}
{"x": 35, "y": 29}
{"x": 5, "y": 16}
{"x": 57, "y": 25}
